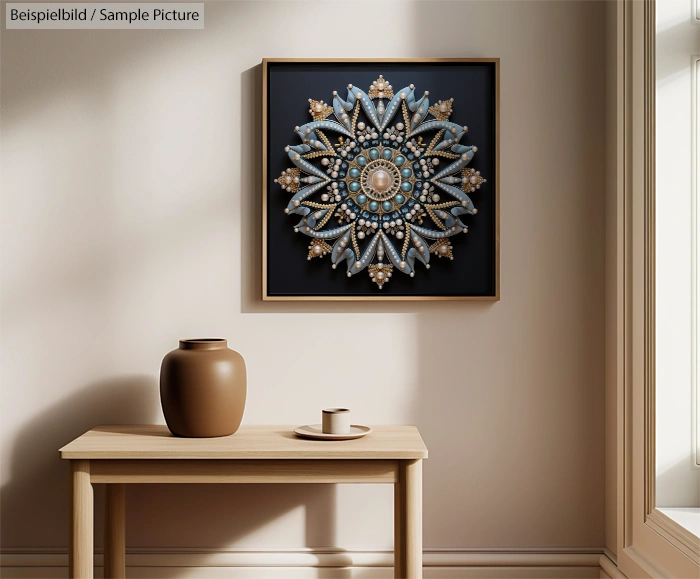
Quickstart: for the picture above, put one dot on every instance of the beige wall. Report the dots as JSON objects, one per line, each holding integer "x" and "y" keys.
{"x": 130, "y": 218}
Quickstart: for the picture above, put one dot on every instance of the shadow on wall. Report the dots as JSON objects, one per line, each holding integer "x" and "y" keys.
{"x": 224, "y": 514}
{"x": 95, "y": 60}
{"x": 39, "y": 486}
{"x": 35, "y": 500}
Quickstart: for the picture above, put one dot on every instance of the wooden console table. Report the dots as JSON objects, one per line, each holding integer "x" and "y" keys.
{"x": 119, "y": 455}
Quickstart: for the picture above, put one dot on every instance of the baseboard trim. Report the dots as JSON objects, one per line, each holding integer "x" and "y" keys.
{"x": 609, "y": 566}
{"x": 555, "y": 563}
{"x": 316, "y": 557}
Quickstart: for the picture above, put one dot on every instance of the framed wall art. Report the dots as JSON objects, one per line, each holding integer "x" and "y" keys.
{"x": 380, "y": 179}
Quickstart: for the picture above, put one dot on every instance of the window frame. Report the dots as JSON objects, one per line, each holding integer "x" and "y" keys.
{"x": 643, "y": 542}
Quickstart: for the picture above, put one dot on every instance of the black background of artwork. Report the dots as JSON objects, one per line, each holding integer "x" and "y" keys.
{"x": 473, "y": 270}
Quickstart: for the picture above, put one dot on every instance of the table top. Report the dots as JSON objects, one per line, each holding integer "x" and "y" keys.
{"x": 152, "y": 441}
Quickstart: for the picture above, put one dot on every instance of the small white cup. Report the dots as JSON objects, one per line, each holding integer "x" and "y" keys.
{"x": 336, "y": 421}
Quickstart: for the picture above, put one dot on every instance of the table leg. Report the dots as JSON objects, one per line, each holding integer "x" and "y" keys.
{"x": 409, "y": 555}
{"x": 81, "y": 537}
{"x": 399, "y": 545}
{"x": 115, "y": 541}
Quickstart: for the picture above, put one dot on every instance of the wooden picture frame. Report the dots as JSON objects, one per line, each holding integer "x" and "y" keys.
{"x": 288, "y": 77}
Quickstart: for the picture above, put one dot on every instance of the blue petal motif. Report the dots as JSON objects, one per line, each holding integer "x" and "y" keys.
{"x": 311, "y": 179}
{"x": 325, "y": 125}
{"x": 367, "y": 105}
{"x": 420, "y": 110}
{"x": 451, "y": 140}
{"x": 366, "y": 256}
{"x": 393, "y": 107}
{"x": 341, "y": 252}
{"x": 432, "y": 234}
{"x": 301, "y": 210}
{"x": 458, "y": 194}
{"x": 305, "y": 165}
{"x": 438, "y": 125}
{"x": 303, "y": 194}
{"x": 456, "y": 166}
{"x": 329, "y": 233}
{"x": 417, "y": 242}
{"x": 341, "y": 107}
{"x": 390, "y": 251}
{"x": 456, "y": 211}
{"x": 301, "y": 149}
{"x": 312, "y": 218}
{"x": 338, "y": 248}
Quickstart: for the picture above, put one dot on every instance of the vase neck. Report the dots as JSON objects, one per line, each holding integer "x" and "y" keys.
{"x": 203, "y": 344}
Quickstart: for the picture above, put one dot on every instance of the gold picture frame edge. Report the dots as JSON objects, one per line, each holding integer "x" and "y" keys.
{"x": 494, "y": 298}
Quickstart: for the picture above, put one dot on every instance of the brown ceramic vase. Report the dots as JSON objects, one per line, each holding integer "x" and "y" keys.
{"x": 203, "y": 389}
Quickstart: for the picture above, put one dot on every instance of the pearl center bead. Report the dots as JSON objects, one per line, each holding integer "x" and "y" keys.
{"x": 381, "y": 180}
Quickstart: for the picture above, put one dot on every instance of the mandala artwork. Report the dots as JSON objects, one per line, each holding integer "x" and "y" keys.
{"x": 373, "y": 185}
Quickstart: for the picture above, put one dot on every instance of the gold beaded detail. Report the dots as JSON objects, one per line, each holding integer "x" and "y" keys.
{"x": 316, "y": 154}
{"x": 435, "y": 141}
{"x": 435, "y": 218}
{"x": 381, "y": 273}
{"x": 318, "y": 248}
{"x": 442, "y": 110}
{"x": 406, "y": 119}
{"x": 320, "y": 205}
{"x": 289, "y": 180}
{"x": 442, "y": 205}
{"x": 442, "y": 248}
{"x": 442, "y": 154}
{"x": 326, "y": 141}
{"x": 407, "y": 237}
{"x": 354, "y": 118}
{"x": 326, "y": 218}
{"x": 471, "y": 179}
{"x": 354, "y": 241}
{"x": 319, "y": 110}
{"x": 381, "y": 89}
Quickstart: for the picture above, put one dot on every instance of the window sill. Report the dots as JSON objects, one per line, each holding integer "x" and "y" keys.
{"x": 686, "y": 517}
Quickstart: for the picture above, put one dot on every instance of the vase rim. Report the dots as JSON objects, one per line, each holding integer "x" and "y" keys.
{"x": 203, "y": 343}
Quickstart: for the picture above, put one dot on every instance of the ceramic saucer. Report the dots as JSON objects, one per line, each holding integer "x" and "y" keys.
{"x": 314, "y": 431}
